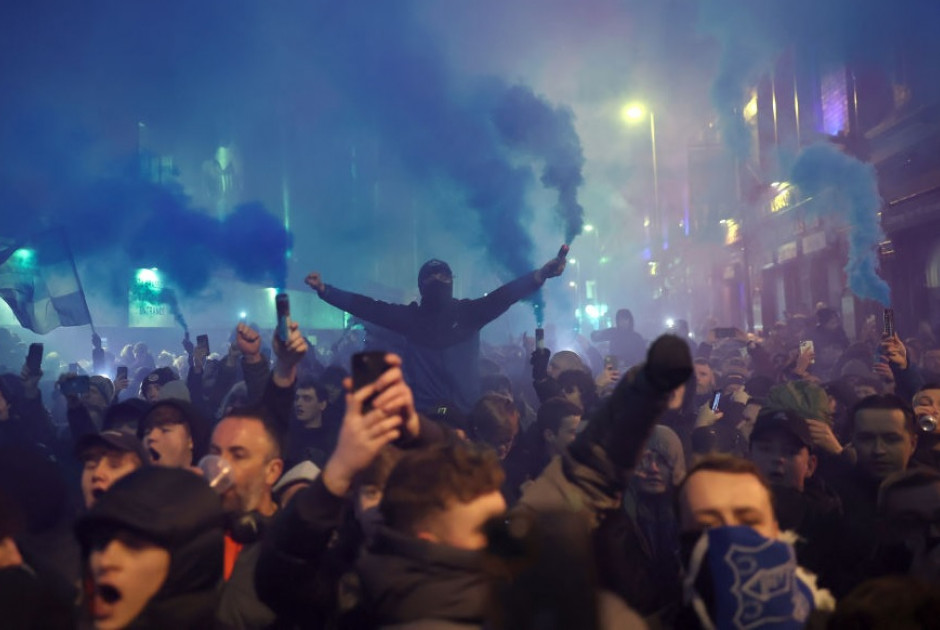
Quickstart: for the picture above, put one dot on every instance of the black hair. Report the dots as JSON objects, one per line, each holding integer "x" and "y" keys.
{"x": 552, "y": 412}
{"x": 887, "y": 402}
{"x": 911, "y": 478}
{"x": 311, "y": 383}
{"x": 263, "y": 415}
{"x": 583, "y": 382}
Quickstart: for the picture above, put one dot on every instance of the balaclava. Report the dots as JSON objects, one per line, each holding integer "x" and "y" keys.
{"x": 434, "y": 293}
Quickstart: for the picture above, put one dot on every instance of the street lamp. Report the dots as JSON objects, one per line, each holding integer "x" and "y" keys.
{"x": 632, "y": 113}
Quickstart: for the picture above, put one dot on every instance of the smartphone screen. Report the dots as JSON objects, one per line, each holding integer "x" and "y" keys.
{"x": 121, "y": 372}
{"x": 715, "y": 400}
{"x": 203, "y": 342}
{"x": 366, "y": 368}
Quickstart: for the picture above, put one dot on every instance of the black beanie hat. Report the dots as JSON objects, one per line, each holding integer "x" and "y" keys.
{"x": 432, "y": 267}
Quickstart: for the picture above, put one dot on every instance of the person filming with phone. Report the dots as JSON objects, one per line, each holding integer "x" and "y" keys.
{"x": 442, "y": 332}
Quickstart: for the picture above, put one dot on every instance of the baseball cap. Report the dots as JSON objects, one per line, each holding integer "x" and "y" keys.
{"x": 160, "y": 376}
{"x": 121, "y": 439}
{"x": 782, "y": 420}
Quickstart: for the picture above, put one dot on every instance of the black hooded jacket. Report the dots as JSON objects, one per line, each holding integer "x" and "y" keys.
{"x": 406, "y": 580}
{"x": 176, "y": 510}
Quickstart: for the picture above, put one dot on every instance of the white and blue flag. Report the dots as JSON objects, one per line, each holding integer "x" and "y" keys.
{"x": 39, "y": 282}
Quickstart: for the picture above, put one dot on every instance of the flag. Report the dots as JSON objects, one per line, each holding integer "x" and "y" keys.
{"x": 39, "y": 282}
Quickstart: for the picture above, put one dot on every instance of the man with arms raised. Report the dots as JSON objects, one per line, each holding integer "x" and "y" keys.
{"x": 442, "y": 332}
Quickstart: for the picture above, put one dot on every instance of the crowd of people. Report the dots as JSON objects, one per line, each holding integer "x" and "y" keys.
{"x": 722, "y": 480}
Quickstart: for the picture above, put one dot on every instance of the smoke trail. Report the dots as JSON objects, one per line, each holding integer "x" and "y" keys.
{"x": 527, "y": 122}
{"x": 748, "y": 47}
{"x": 821, "y": 167}
{"x": 168, "y": 297}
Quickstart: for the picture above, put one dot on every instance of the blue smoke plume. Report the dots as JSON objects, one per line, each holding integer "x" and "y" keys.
{"x": 527, "y": 122}
{"x": 393, "y": 73}
{"x": 821, "y": 167}
{"x": 350, "y": 102}
{"x": 154, "y": 226}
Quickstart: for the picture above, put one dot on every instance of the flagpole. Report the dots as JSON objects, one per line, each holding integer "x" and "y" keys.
{"x": 78, "y": 279}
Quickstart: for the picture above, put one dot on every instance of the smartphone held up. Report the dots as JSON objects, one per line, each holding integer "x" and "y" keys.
{"x": 367, "y": 367}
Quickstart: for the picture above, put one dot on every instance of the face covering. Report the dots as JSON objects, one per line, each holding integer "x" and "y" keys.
{"x": 736, "y": 578}
{"x": 436, "y": 294}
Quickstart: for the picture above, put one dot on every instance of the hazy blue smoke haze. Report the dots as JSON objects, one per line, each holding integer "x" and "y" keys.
{"x": 529, "y": 123}
{"x": 859, "y": 34}
{"x": 350, "y": 107}
{"x": 472, "y": 132}
{"x": 823, "y": 167}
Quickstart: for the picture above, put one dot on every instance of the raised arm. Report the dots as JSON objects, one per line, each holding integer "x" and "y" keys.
{"x": 395, "y": 317}
{"x": 482, "y": 311}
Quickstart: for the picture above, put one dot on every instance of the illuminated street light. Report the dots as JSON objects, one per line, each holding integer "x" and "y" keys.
{"x": 632, "y": 112}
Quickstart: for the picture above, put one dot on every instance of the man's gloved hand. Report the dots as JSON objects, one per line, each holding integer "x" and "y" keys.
{"x": 539, "y": 361}
{"x": 668, "y": 364}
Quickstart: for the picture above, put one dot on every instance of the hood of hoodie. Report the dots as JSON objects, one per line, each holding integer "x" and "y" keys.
{"x": 406, "y": 579}
{"x": 178, "y": 511}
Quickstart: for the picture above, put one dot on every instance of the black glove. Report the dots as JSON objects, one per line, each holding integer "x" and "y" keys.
{"x": 668, "y": 364}
{"x": 539, "y": 361}
{"x": 621, "y": 425}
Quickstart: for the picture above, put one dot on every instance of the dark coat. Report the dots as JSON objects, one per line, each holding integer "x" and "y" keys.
{"x": 406, "y": 580}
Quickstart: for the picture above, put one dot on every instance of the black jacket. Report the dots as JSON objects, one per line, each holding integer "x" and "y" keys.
{"x": 177, "y": 510}
{"x": 406, "y": 580}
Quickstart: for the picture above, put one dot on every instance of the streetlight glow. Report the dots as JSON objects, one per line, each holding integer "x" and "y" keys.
{"x": 588, "y": 227}
{"x": 632, "y": 112}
